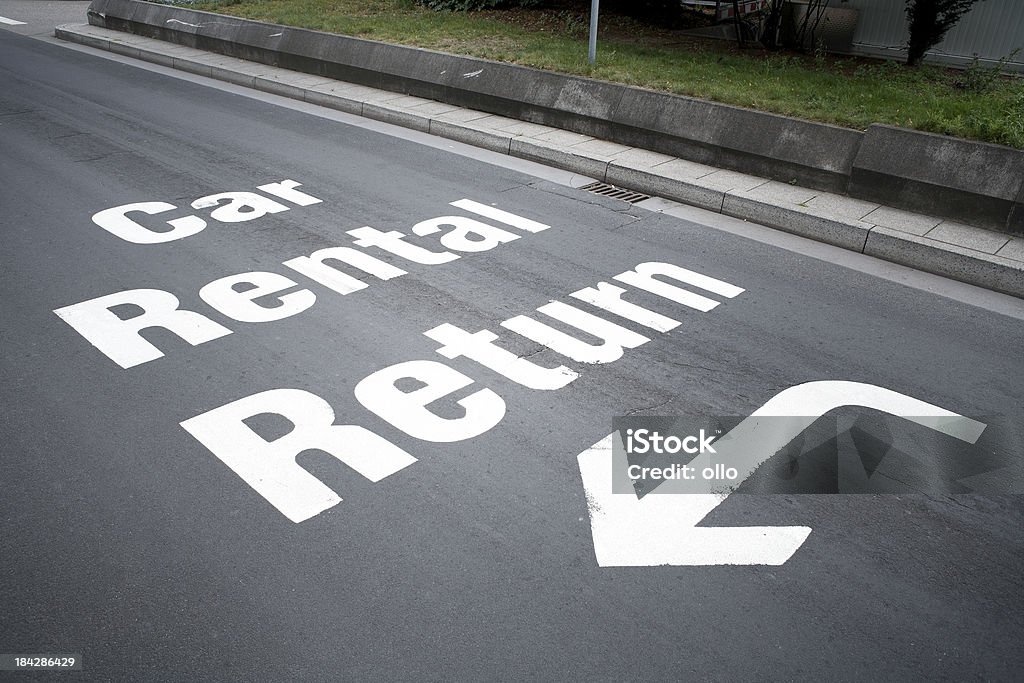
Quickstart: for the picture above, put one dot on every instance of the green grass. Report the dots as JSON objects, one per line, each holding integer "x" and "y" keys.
{"x": 846, "y": 92}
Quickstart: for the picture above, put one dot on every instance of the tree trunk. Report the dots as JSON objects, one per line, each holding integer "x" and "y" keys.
{"x": 926, "y": 16}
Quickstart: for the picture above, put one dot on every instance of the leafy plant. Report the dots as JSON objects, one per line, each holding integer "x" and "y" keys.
{"x": 1015, "y": 119}
{"x": 978, "y": 78}
{"x": 576, "y": 24}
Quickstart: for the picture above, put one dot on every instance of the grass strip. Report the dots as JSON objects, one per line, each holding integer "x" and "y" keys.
{"x": 850, "y": 92}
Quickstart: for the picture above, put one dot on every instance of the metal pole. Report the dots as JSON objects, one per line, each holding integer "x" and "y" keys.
{"x": 593, "y": 31}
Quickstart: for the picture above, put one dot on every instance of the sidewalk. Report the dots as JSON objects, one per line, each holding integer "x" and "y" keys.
{"x": 988, "y": 259}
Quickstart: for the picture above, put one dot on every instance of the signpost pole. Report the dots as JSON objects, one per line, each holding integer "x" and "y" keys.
{"x": 593, "y": 31}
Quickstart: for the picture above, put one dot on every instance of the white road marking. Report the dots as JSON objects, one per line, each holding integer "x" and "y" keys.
{"x": 661, "y": 528}
{"x": 270, "y": 467}
{"x": 500, "y": 216}
{"x": 298, "y": 495}
{"x": 11, "y": 22}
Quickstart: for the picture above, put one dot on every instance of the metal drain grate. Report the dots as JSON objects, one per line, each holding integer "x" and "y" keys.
{"x": 606, "y": 190}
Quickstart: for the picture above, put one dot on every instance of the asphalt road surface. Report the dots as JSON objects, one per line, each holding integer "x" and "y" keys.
{"x": 464, "y": 546}
{"x": 38, "y": 17}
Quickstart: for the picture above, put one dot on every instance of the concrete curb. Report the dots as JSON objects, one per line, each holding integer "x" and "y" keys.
{"x": 978, "y": 184}
{"x": 991, "y": 271}
{"x": 835, "y": 219}
{"x": 849, "y": 234}
{"x": 939, "y": 174}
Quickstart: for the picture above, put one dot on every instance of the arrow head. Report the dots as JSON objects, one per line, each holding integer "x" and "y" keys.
{"x": 661, "y": 529}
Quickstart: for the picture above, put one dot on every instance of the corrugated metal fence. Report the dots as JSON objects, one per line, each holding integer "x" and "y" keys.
{"x": 993, "y": 29}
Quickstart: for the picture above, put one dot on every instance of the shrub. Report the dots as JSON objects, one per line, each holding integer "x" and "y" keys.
{"x": 928, "y": 21}
{"x": 473, "y": 5}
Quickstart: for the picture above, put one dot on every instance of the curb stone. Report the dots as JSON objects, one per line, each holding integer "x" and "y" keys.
{"x": 891, "y": 234}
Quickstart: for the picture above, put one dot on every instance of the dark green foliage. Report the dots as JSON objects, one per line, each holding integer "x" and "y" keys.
{"x": 980, "y": 79}
{"x": 928, "y": 21}
{"x": 473, "y": 5}
{"x": 666, "y": 13}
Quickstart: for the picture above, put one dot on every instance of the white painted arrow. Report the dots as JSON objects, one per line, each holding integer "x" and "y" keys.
{"x": 661, "y": 528}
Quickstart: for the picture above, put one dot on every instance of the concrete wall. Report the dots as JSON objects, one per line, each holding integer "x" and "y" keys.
{"x": 986, "y": 192}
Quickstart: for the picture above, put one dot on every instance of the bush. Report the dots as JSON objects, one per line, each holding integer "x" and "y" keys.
{"x": 659, "y": 11}
{"x": 667, "y": 13}
{"x": 473, "y": 5}
{"x": 928, "y": 21}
